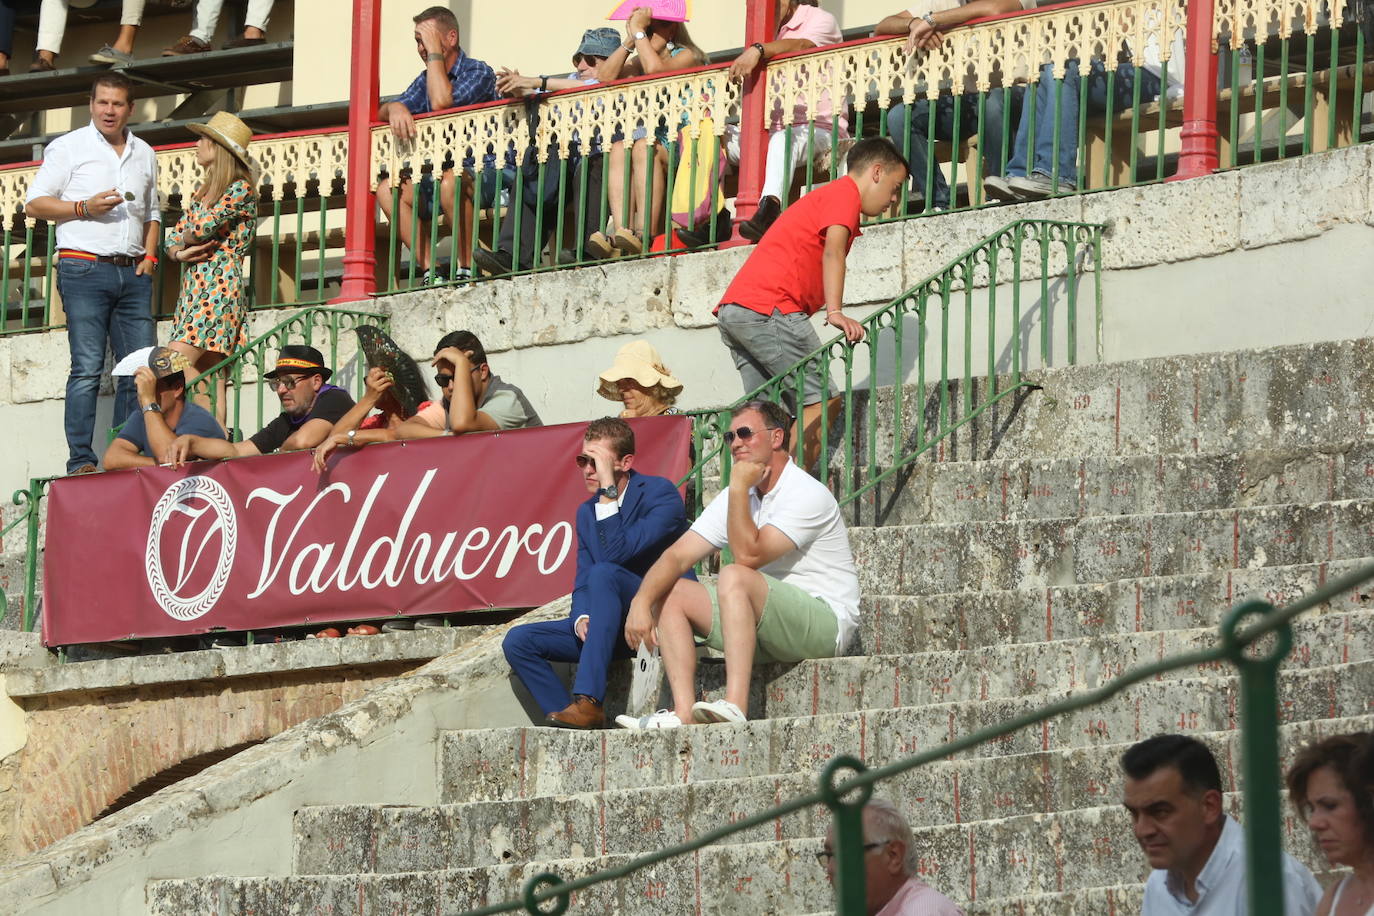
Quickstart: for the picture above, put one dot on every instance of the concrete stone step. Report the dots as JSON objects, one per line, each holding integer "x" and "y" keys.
{"x": 1019, "y": 489}
{"x": 499, "y": 764}
{"x": 965, "y": 620}
{"x": 363, "y": 839}
{"x": 1121, "y": 900}
{"x": 1279, "y": 398}
{"x": 928, "y": 559}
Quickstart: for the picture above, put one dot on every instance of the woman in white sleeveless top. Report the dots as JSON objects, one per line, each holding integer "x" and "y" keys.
{"x": 1326, "y": 786}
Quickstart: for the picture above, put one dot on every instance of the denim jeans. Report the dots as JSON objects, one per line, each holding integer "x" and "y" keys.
{"x": 989, "y": 141}
{"x": 1067, "y": 123}
{"x": 105, "y": 304}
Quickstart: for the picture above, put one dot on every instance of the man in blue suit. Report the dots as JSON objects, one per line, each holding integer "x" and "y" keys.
{"x": 629, "y": 520}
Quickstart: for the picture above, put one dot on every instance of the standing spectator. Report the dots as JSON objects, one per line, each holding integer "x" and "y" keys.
{"x": 659, "y": 46}
{"x": 146, "y": 436}
{"x": 890, "y": 864}
{"x": 639, "y": 380}
{"x": 1329, "y": 793}
{"x": 310, "y": 408}
{"x": 450, "y": 79}
{"x": 1173, "y": 796}
{"x": 99, "y": 184}
{"x": 924, "y": 26}
{"x": 214, "y": 236}
{"x": 798, "y": 268}
{"x": 207, "y": 19}
{"x": 475, "y": 399}
{"x": 628, "y": 521}
{"x": 802, "y": 25}
{"x": 790, "y": 593}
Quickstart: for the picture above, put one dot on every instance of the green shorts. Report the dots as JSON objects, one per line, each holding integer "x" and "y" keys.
{"x": 794, "y": 625}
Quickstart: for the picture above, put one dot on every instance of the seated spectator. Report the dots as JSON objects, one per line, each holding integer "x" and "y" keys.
{"x": 121, "y": 53}
{"x": 1173, "y": 795}
{"x": 6, "y": 35}
{"x": 450, "y": 79}
{"x": 802, "y": 25}
{"x": 1030, "y": 174}
{"x": 360, "y": 426}
{"x": 659, "y": 46}
{"x": 890, "y": 869}
{"x": 310, "y": 408}
{"x": 475, "y": 399}
{"x": 924, "y": 26}
{"x": 163, "y": 412}
{"x": 628, "y": 521}
{"x": 539, "y": 215}
{"x": 1329, "y": 793}
{"x": 639, "y": 380}
{"x": 791, "y": 593}
{"x": 207, "y": 19}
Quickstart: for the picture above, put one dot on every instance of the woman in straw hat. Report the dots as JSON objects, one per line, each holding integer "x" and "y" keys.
{"x": 213, "y": 237}
{"x": 639, "y": 380}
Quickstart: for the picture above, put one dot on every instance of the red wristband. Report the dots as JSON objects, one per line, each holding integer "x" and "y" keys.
{"x": 150, "y": 257}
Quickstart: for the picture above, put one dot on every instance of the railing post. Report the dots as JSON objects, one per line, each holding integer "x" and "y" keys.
{"x": 759, "y": 25}
{"x": 30, "y": 613}
{"x": 1198, "y": 137}
{"x": 1259, "y": 711}
{"x": 360, "y": 236}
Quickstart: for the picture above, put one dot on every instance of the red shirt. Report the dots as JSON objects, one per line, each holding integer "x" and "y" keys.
{"x": 784, "y": 270}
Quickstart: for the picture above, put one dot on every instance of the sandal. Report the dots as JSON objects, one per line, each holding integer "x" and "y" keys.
{"x": 599, "y": 246}
{"x": 363, "y": 629}
{"x": 628, "y": 241}
{"x": 326, "y": 633}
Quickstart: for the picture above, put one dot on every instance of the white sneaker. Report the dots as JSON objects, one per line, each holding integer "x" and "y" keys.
{"x": 664, "y": 718}
{"x": 1037, "y": 186}
{"x": 997, "y": 188}
{"x": 717, "y": 711}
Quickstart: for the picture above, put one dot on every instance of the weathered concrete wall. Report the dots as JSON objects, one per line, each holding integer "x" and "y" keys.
{"x": 1196, "y": 266}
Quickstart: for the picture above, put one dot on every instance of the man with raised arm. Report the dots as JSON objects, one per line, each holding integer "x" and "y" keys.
{"x": 797, "y": 269}
{"x": 791, "y": 593}
{"x": 163, "y": 413}
{"x": 475, "y": 399}
{"x": 1173, "y": 795}
{"x": 622, "y": 528}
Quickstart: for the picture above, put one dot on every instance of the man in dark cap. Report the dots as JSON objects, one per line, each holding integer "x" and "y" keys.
{"x": 163, "y": 413}
{"x": 310, "y": 407}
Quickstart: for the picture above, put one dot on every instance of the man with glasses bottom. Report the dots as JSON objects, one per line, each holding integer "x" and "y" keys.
{"x": 890, "y": 880}
{"x": 790, "y": 593}
{"x": 622, "y": 528}
{"x": 310, "y": 408}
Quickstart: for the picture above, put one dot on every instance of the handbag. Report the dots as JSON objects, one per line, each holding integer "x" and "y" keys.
{"x": 693, "y": 202}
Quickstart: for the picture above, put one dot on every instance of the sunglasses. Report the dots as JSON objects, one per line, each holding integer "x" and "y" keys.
{"x": 443, "y": 379}
{"x": 589, "y": 58}
{"x": 744, "y": 434}
{"x": 584, "y": 460}
{"x": 284, "y": 382}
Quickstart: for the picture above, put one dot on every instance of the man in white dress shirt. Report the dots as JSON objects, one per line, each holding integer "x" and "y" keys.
{"x": 1173, "y": 795}
{"x": 98, "y": 183}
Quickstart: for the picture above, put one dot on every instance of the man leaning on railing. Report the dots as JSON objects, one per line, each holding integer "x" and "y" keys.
{"x": 146, "y": 436}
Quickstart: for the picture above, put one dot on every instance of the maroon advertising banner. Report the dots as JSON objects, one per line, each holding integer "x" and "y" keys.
{"x": 421, "y": 527}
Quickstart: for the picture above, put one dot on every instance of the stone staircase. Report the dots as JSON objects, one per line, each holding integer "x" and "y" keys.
{"x": 1105, "y": 522}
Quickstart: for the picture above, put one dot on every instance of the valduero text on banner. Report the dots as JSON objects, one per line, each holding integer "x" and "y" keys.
{"x": 406, "y": 528}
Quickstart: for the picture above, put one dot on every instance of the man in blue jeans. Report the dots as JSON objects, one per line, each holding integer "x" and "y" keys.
{"x": 99, "y": 185}
{"x": 1061, "y": 126}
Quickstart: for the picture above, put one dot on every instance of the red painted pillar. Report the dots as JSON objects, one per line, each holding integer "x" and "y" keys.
{"x": 759, "y": 25}
{"x": 1199, "y": 136}
{"x": 360, "y": 235}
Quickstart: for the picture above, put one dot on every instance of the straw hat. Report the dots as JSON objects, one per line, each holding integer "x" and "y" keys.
{"x": 229, "y": 132}
{"x": 637, "y": 360}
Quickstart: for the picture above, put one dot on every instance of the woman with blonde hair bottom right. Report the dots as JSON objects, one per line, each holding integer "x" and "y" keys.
{"x": 1326, "y": 788}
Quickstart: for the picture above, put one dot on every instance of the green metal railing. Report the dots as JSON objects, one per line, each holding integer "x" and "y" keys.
{"x": 27, "y": 501}
{"x": 927, "y": 345}
{"x": 1254, "y": 636}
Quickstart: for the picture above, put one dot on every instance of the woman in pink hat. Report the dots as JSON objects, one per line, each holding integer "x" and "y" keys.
{"x": 212, "y": 238}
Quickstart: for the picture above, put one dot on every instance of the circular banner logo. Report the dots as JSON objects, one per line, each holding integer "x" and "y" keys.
{"x": 209, "y": 516}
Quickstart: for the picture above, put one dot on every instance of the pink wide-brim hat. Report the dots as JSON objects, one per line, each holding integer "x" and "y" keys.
{"x": 667, "y": 10}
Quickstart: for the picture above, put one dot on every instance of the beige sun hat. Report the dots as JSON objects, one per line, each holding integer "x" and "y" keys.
{"x": 637, "y": 360}
{"x": 229, "y": 132}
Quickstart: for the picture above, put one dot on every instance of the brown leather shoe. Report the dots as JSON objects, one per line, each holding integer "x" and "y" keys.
{"x": 583, "y": 713}
{"x": 86, "y": 469}
{"x": 187, "y": 45}
{"x": 42, "y": 65}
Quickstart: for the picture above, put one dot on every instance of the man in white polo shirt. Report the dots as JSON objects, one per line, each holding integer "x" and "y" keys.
{"x": 99, "y": 185}
{"x": 791, "y": 592}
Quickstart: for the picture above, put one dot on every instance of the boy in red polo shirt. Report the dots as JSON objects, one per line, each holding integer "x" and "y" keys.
{"x": 798, "y": 267}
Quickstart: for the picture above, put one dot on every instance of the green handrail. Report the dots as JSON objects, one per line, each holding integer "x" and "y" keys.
{"x": 845, "y": 795}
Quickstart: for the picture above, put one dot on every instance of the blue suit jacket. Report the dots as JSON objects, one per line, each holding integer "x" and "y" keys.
{"x": 650, "y": 519}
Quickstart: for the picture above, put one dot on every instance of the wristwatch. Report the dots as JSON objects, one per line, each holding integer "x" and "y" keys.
{"x": 434, "y": 55}
{"x": 352, "y": 434}
{"x": 640, "y": 36}
{"x": 929, "y": 17}
{"x": 612, "y": 491}
{"x": 152, "y": 408}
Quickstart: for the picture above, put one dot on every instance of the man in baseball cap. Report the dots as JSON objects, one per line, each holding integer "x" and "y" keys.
{"x": 163, "y": 413}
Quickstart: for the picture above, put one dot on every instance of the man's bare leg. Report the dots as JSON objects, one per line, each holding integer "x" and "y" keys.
{"x": 813, "y": 434}
{"x": 742, "y": 593}
{"x": 686, "y": 612}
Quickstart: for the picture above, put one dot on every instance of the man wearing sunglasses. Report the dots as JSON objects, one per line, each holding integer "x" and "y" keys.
{"x": 791, "y": 593}
{"x": 628, "y": 521}
{"x": 892, "y": 883}
{"x": 475, "y": 399}
{"x": 310, "y": 407}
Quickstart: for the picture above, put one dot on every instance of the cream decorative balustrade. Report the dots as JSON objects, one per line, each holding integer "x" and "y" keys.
{"x": 998, "y": 52}
{"x": 1238, "y": 20}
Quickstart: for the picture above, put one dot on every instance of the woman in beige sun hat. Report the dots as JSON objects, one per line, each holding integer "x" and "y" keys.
{"x": 639, "y": 380}
{"x": 212, "y": 238}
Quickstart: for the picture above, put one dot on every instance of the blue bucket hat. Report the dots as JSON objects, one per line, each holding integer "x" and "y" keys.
{"x": 599, "y": 42}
